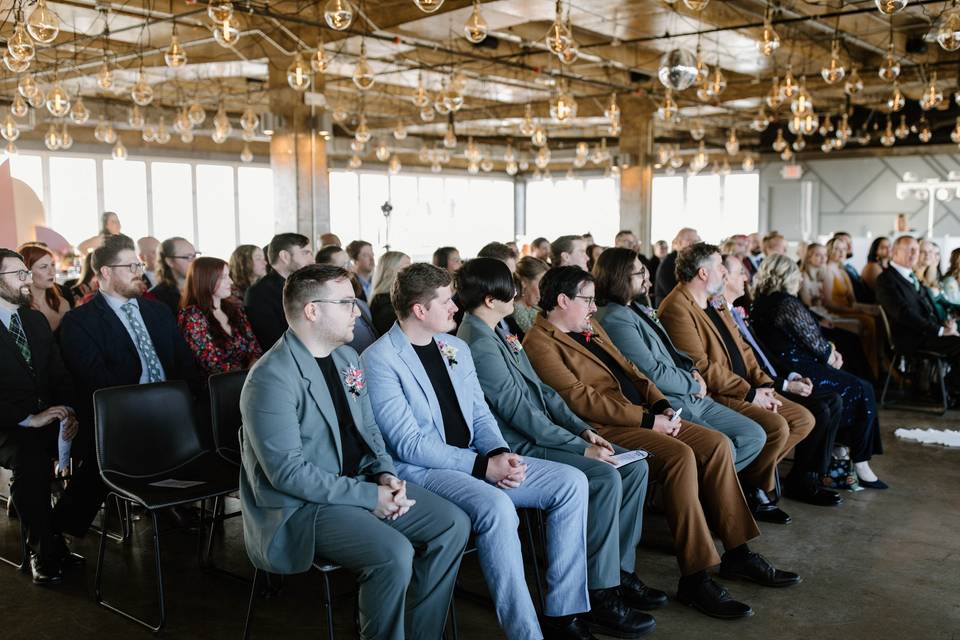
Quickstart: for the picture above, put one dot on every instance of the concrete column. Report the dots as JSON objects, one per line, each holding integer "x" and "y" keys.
{"x": 298, "y": 157}
{"x": 636, "y": 181}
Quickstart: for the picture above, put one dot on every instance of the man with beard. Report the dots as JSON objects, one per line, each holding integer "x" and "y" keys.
{"x": 36, "y": 405}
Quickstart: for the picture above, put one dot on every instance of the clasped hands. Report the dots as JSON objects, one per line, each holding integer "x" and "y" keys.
{"x": 392, "y": 500}
{"x": 765, "y": 399}
{"x": 56, "y": 413}
{"x": 506, "y": 470}
{"x": 667, "y": 423}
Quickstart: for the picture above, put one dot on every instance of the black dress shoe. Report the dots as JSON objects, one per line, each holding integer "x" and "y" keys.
{"x": 817, "y": 496}
{"x": 706, "y": 596}
{"x": 755, "y": 568}
{"x": 638, "y": 595}
{"x": 44, "y": 573}
{"x": 876, "y": 484}
{"x": 771, "y": 513}
{"x": 610, "y": 615}
{"x": 565, "y": 628}
{"x": 67, "y": 558}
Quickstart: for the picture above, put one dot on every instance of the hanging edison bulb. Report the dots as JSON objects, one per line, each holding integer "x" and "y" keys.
{"x": 667, "y": 111}
{"x": 527, "y": 125}
{"x": 28, "y": 87}
{"x": 828, "y": 145}
{"x": 105, "y": 76}
{"x": 66, "y": 140}
{"x": 948, "y": 29}
{"x": 932, "y": 96}
{"x": 182, "y": 120}
{"x": 318, "y": 59}
{"x": 399, "y": 131}
{"x": 356, "y": 146}
{"x": 902, "y": 130}
{"x": 748, "y": 163}
{"x": 732, "y": 144}
{"x": 19, "y": 106}
{"x": 826, "y": 126}
{"x": 52, "y": 137}
{"x": 175, "y": 56}
{"x": 774, "y": 98}
{"x": 421, "y": 98}
{"x": 888, "y": 138}
{"x": 394, "y": 166}
{"x": 149, "y": 133}
{"x": 450, "y": 98}
{"x": 854, "y": 83}
{"x": 135, "y": 118}
{"x": 20, "y": 45}
{"x": 890, "y": 69}
{"x": 9, "y": 128}
{"x": 475, "y": 29}
{"x": 79, "y": 113}
{"x": 219, "y": 10}
{"x": 717, "y": 83}
{"x": 100, "y": 131}
{"x": 760, "y": 121}
{"x": 955, "y": 134}
{"x": 802, "y": 102}
{"x": 382, "y": 151}
{"x": 338, "y": 14}
{"x": 558, "y": 37}
{"x": 700, "y": 159}
{"x": 924, "y": 132}
{"x": 14, "y": 65}
{"x": 539, "y": 137}
{"x": 450, "y": 137}
{"x": 355, "y": 162}
{"x": 890, "y": 7}
{"x": 563, "y": 107}
{"x": 769, "y": 39}
{"x": 58, "y": 101}
{"x": 542, "y": 159}
{"x": 298, "y": 74}
{"x": 472, "y": 151}
{"x": 197, "y": 114}
{"x": 612, "y": 110}
{"x": 221, "y": 122}
{"x": 697, "y": 130}
{"x": 789, "y": 85}
{"x": 896, "y": 101}
{"x": 11, "y": 149}
{"x": 677, "y": 70}
{"x": 37, "y": 99}
{"x": 227, "y": 33}
{"x": 427, "y": 114}
{"x": 246, "y": 155}
{"x": 787, "y": 154}
{"x": 834, "y": 71}
{"x": 362, "y": 134}
{"x": 779, "y": 143}
{"x": 141, "y": 93}
{"x": 428, "y": 6}
{"x": 362, "y": 73}
{"x": 249, "y": 119}
{"x": 696, "y": 5}
{"x": 512, "y": 168}
{"x": 510, "y": 155}
{"x": 43, "y": 24}
{"x": 119, "y": 151}
{"x": 799, "y": 144}
{"x": 110, "y": 135}
{"x": 843, "y": 129}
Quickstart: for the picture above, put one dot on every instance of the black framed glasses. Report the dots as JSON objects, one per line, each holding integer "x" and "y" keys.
{"x": 588, "y": 299}
{"x": 22, "y": 274}
{"x": 353, "y": 302}
{"x": 135, "y": 267}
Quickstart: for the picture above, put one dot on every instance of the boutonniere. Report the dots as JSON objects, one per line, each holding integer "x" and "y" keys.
{"x": 650, "y": 313}
{"x": 449, "y": 352}
{"x": 514, "y": 343}
{"x": 742, "y": 312}
{"x": 353, "y": 378}
{"x": 589, "y": 333}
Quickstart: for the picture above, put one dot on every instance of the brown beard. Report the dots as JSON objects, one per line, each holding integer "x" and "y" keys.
{"x": 18, "y": 297}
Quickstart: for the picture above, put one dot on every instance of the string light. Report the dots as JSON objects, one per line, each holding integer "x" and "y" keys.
{"x": 338, "y": 14}
{"x": 475, "y": 29}
{"x": 79, "y": 113}
{"x": 298, "y": 74}
{"x": 932, "y": 96}
{"x": 948, "y": 28}
{"x": 43, "y": 24}
{"x": 834, "y": 71}
{"x": 362, "y": 73}
{"x": 58, "y": 101}
{"x": 769, "y": 40}
{"x": 175, "y": 56}
{"x": 428, "y": 6}
{"x": 890, "y": 69}
{"x": 890, "y": 7}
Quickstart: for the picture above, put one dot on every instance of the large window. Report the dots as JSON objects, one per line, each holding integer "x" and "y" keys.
{"x": 574, "y": 207}
{"x": 255, "y": 192}
{"x": 216, "y": 220}
{"x": 172, "y": 200}
{"x": 72, "y": 210}
{"x": 125, "y": 191}
{"x": 716, "y": 206}
{"x": 28, "y": 169}
{"x": 428, "y": 211}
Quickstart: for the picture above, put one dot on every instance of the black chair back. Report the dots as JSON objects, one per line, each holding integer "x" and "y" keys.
{"x": 145, "y": 430}
{"x": 225, "y": 409}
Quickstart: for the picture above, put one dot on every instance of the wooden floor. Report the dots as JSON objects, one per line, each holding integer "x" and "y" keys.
{"x": 882, "y": 565}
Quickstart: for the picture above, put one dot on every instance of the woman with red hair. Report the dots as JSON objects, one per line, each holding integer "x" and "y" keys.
{"x": 213, "y": 324}
{"x": 47, "y": 298}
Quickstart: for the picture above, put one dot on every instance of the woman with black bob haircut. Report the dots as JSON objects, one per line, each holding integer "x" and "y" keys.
{"x": 536, "y": 422}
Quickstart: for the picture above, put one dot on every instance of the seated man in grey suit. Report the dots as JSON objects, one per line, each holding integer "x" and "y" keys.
{"x": 317, "y": 481}
{"x": 535, "y": 421}
{"x": 620, "y": 280}
{"x": 426, "y": 399}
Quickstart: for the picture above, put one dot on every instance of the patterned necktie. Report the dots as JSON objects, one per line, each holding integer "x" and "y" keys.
{"x": 16, "y": 330}
{"x": 144, "y": 343}
{"x": 748, "y": 336}
{"x": 914, "y": 281}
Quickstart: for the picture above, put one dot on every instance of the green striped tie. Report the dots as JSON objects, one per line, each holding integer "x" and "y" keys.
{"x": 16, "y": 329}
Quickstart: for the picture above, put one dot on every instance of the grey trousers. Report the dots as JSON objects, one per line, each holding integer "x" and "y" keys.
{"x": 614, "y": 515}
{"x": 747, "y": 436}
{"x": 420, "y": 550}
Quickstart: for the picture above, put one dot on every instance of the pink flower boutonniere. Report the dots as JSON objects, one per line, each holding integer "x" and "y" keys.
{"x": 589, "y": 333}
{"x": 514, "y": 343}
{"x": 353, "y": 378}
{"x": 449, "y": 352}
{"x": 742, "y": 312}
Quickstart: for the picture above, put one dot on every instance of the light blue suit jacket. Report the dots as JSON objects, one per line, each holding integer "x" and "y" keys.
{"x": 406, "y": 407}
{"x": 292, "y": 455}
{"x": 531, "y": 415}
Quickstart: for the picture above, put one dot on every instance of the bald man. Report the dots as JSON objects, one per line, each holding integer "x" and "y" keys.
{"x": 666, "y": 279}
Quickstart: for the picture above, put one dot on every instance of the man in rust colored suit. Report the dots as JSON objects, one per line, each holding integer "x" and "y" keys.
{"x": 694, "y": 464}
{"x": 707, "y": 333}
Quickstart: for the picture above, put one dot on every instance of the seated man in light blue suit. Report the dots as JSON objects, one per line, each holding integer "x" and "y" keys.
{"x": 430, "y": 408}
{"x": 620, "y": 280}
{"x": 535, "y": 421}
{"x": 317, "y": 480}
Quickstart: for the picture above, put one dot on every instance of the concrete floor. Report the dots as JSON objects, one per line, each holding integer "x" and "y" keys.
{"x": 882, "y": 565}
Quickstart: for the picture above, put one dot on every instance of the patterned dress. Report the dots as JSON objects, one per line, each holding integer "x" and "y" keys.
{"x": 218, "y": 355}
{"x": 791, "y": 336}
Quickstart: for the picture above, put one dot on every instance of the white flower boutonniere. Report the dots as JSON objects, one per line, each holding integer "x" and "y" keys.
{"x": 449, "y": 352}
{"x": 353, "y": 378}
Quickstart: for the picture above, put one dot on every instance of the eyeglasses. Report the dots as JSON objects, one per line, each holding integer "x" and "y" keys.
{"x": 588, "y": 299}
{"x": 22, "y": 274}
{"x": 353, "y": 302}
{"x": 190, "y": 256}
{"x": 135, "y": 267}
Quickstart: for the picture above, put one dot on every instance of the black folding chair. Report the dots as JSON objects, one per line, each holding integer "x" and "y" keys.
{"x": 911, "y": 361}
{"x": 325, "y": 569}
{"x": 23, "y": 565}
{"x": 225, "y": 412}
{"x": 147, "y": 434}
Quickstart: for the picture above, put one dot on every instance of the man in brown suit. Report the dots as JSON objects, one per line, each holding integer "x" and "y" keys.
{"x": 708, "y": 334}
{"x": 694, "y": 464}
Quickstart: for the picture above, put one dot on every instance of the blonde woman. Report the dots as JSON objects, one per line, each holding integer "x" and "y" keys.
{"x": 951, "y": 281}
{"x": 390, "y": 264}
{"x": 247, "y": 265}
{"x": 929, "y": 274}
{"x": 838, "y": 297}
{"x": 526, "y": 306}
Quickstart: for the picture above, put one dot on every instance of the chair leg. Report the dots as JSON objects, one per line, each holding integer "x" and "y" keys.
{"x": 328, "y": 603}
{"x": 533, "y": 558}
{"x": 452, "y": 618}
{"x": 944, "y": 396}
{"x": 253, "y": 599}
{"x": 886, "y": 383}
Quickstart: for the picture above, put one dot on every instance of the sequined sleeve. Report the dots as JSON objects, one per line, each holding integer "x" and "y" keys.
{"x": 795, "y": 320}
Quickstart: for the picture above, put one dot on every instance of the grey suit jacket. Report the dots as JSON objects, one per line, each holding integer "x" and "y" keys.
{"x": 408, "y": 412}
{"x": 292, "y": 455}
{"x": 531, "y": 415}
{"x": 646, "y": 349}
